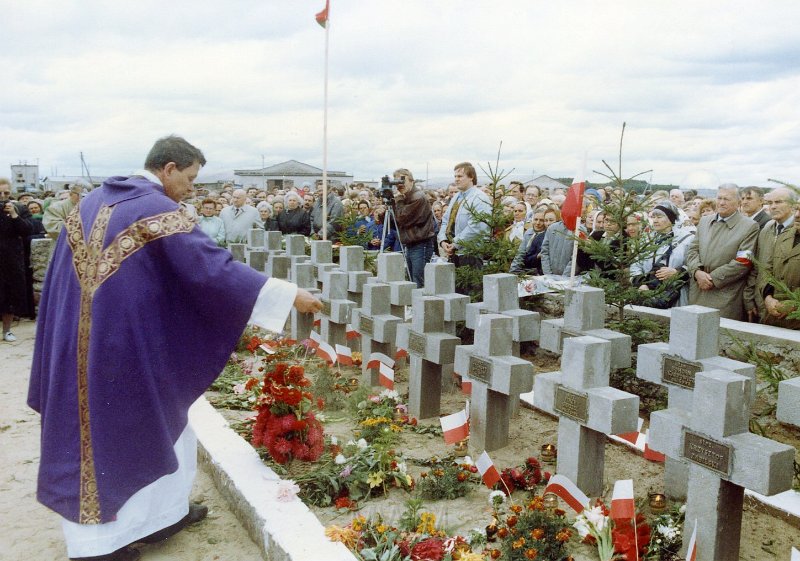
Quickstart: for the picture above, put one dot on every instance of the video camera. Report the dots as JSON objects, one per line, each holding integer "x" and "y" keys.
{"x": 387, "y": 193}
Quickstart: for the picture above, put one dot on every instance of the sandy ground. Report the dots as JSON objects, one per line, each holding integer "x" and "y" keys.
{"x": 31, "y": 532}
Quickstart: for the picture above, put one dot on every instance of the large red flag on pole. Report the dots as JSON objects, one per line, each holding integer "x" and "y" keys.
{"x": 322, "y": 17}
{"x": 573, "y": 204}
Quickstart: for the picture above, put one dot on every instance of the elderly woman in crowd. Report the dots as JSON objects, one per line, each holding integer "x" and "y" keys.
{"x": 295, "y": 219}
{"x": 516, "y": 230}
{"x": 265, "y": 213}
{"x": 664, "y": 267}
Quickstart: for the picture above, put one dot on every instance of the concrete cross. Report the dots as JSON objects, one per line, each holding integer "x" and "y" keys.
{"x": 272, "y": 241}
{"x": 301, "y": 324}
{"x": 257, "y": 259}
{"x": 256, "y": 238}
{"x": 497, "y": 379}
{"x": 237, "y": 251}
{"x": 587, "y": 407}
{"x": 377, "y": 326}
{"x": 351, "y": 261}
{"x": 725, "y": 459}
{"x": 392, "y": 271}
{"x": 336, "y": 309}
{"x": 278, "y": 265}
{"x": 296, "y": 247}
{"x": 440, "y": 281}
{"x": 429, "y": 348}
{"x": 322, "y": 259}
{"x": 693, "y": 347}
{"x": 789, "y": 402}
{"x": 585, "y": 314}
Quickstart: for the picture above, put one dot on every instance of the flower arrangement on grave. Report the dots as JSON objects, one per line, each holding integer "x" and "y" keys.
{"x": 526, "y": 531}
{"x": 526, "y": 477}
{"x": 353, "y": 472}
{"x": 666, "y": 535}
{"x": 447, "y": 480}
{"x": 415, "y": 538}
{"x": 381, "y": 417}
{"x": 286, "y": 424}
{"x": 625, "y": 540}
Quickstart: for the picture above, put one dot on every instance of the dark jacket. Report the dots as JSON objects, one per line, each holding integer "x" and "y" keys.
{"x": 414, "y": 217}
{"x": 294, "y": 221}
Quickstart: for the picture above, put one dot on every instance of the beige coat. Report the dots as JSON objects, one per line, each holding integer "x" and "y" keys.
{"x": 714, "y": 251}
{"x": 785, "y": 267}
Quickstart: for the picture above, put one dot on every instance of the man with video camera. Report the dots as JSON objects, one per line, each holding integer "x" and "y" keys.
{"x": 415, "y": 222}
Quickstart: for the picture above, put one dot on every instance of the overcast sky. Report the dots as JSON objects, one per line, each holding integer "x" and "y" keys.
{"x": 709, "y": 90}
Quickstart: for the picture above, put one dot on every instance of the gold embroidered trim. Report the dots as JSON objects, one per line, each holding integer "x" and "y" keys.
{"x": 94, "y": 266}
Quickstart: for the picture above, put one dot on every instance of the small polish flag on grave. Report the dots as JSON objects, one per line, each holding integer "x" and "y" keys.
{"x": 352, "y": 333}
{"x": 386, "y": 376}
{"x": 376, "y": 359}
{"x": 314, "y": 340}
{"x": 691, "y": 551}
{"x": 649, "y": 453}
{"x": 344, "y": 355}
{"x": 455, "y": 427}
{"x": 266, "y": 348}
{"x": 317, "y": 322}
{"x": 745, "y": 257}
{"x": 622, "y": 507}
{"x": 326, "y": 352}
{"x": 486, "y": 468}
{"x": 466, "y": 387}
{"x": 401, "y": 353}
{"x": 633, "y": 437}
{"x": 563, "y": 487}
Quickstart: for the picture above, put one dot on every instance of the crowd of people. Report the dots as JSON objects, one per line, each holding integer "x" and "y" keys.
{"x": 699, "y": 260}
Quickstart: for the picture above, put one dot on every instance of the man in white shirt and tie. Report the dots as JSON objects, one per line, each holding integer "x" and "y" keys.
{"x": 239, "y": 218}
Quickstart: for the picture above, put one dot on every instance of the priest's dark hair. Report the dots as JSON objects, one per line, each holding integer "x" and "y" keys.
{"x": 173, "y": 149}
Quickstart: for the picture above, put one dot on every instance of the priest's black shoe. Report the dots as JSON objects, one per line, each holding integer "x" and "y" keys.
{"x": 197, "y": 512}
{"x": 126, "y": 553}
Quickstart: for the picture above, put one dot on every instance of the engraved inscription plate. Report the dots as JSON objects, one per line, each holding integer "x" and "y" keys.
{"x": 572, "y": 404}
{"x": 480, "y": 369}
{"x": 483, "y": 310}
{"x": 416, "y": 343}
{"x": 706, "y": 452}
{"x": 326, "y": 307}
{"x": 365, "y": 325}
{"x": 679, "y": 372}
{"x": 566, "y": 335}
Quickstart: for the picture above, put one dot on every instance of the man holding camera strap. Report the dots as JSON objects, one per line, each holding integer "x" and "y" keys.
{"x": 459, "y": 222}
{"x": 415, "y": 224}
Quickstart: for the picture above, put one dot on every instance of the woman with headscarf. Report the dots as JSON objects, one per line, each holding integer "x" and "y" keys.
{"x": 295, "y": 219}
{"x": 664, "y": 267}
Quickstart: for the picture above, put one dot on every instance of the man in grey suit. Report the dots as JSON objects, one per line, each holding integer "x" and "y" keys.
{"x": 721, "y": 256}
{"x": 752, "y": 205}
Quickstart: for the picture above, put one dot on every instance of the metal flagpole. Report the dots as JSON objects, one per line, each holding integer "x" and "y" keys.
{"x": 325, "y": 133}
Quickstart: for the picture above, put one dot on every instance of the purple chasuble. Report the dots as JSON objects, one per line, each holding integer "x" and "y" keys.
{"x": 139, "y": 314}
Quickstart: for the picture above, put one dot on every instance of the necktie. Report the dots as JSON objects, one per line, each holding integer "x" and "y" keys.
{"x": 237, "y": 212}
{"x": 450, "y": 232}
{"x": 779, "y": 229}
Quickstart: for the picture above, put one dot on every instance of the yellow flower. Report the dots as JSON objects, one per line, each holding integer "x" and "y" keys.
{"x": 409, "y": 481}
{"x": 358, "y": 523}
{"x": 380, "y": 528}
{"x": 375, "y": 479}
{"x": 427, "y": 523}
{"x": 348, "y": 536}
{"x": 472, "y": 556}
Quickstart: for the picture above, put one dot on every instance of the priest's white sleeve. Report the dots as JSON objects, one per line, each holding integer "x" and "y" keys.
{"x": 273, "y": 305}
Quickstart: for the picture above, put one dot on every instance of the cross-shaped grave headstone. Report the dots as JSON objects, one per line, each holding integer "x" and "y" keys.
{"x": 725, "y": 459}
{"x": 585, "y": 314}
{"x": 237, "y": 251}
{"x": 587, "y": 407}
{"x": 257, "y": 238}
{"x": 335, "y": 308}
{"x": 351, "y": 261}
{"x": 257, "y": 259}
{"x": 440, "y": 281}
{"x": 497, "y": 379}
{"x": 429, "y": 348}
{"x": 693, "y": 347}
{"x": 377, "y": 326}
{"x": 278, "y": 265}
{"x": 392, "y": 271}
{"x": 303, "y": 276}
{"x": 296, "y": 247}
{"x": 322, "y": 259}
{"x": 789, "y": 402}
{"x": 272, "y": 241}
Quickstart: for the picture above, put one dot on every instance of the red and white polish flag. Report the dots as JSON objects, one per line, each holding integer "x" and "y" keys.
{"x": 267, "y": 349}
{"x": 401, "y": 353}
{"x": 649, "y": 453}
{"x": 466, "y": 387}
{"x": 488, "y": 472}
{"x": 376, "y": 359}
{"x": 386, "y": 376}
{"x": 633, "y": 437}
{"x": 455, "y": 427}
{"x": 352, "y": 333}
{"x": 326, "y": 352}
{"x": 622, "y": 506}
{"x": 564, "y": 488}
{"x": 314, "y": 340}
{"x": 344, "y": 355}
{"x": 317, "y": 322}
{"x": 691, "y": 551}
{"x": 573, "y": 204}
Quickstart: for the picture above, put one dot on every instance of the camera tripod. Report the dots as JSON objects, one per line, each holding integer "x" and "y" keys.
{"x": 388, "y": 218}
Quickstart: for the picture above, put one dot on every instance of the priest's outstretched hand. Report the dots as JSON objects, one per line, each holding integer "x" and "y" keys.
{"x": 306, "y": 302}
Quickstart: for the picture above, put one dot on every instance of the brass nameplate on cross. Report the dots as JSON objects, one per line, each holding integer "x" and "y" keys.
{"x": 572, "y": 404}
{"x": 416, "y": 343}
{"x": 679, "y": 372}
{"x": 707, "y": 452}
{"x": 480, "y": 369}
{"x": 365, "y": 325}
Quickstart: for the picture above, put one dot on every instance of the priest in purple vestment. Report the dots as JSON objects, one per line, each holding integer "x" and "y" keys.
{"x": 139, "y": 314}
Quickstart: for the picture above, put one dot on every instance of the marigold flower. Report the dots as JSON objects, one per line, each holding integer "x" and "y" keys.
{"x": 495, "y": 554}
{"x": 502, "y": 533}
{"x": 518, "y": 543}
{"x": 516, "y": 509}
{"x": 512, "y": 521}
{"x": 563, "y": 536}
{"x": 537, "y": 533}
{"x": 531, "y": 553}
